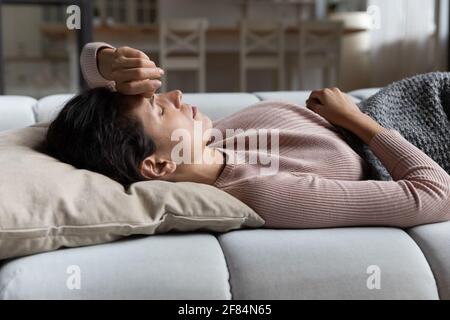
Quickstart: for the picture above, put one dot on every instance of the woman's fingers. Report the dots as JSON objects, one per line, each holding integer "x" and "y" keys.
{"x": 136, "y": 74}
{"x": 313, "y": 104}
{"x": 138, "y": 87}
{"x": 130, "y": 63}
{"x": 312, "y": 101}
{"x": 131, "y": 53}
{"x": 317, "y": 95}
{"x": 324, "y": 95}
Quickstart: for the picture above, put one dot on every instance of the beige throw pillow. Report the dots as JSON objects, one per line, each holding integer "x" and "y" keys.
{"x": 46, "y": 204}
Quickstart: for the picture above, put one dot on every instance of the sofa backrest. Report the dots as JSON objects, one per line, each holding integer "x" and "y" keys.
{"x": 16, "y": 112}
{"x": 21, "y": 111}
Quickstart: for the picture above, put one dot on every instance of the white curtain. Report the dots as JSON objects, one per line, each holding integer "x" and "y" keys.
{"x": 405, "y": 43}
{"x": 442, "y": 16}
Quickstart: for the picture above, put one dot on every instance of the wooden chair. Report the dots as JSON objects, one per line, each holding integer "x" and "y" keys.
{"x": 262, "y": 47}
{"x": 182, "y": 47}
{"x": 319, "y": 45}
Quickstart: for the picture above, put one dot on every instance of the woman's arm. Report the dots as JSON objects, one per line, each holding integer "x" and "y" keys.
{"x": 364, "y": 127}
{"x": 89, "y": 67}
{"x": 419, "y": 195}
{"x": 127, "y": 70}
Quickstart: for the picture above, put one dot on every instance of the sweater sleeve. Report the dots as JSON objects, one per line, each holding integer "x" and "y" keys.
{"x": 88, "y": 62}
{"x": 419, "y": 194}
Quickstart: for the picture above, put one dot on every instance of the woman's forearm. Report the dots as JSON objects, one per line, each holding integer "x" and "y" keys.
{"x": 126, "y": 70}
{"x": 363, "y": 126}
{"x": 89, "y": 67}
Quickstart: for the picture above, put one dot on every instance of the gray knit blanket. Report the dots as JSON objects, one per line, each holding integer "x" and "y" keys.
{"x": 419, "y": 108}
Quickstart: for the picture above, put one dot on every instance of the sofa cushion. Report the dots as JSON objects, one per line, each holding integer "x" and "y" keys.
{"x": 434, "y": 240}
{"x": 175, "y": 266}
{"x": 16, "y": 112}
{"x": 47, "y": 108}
{"x": 297, "y": 97}
{"x": 47, "y": 204}
{"x": 326, "y": 264}
{"x": 220, "y": 105}
{"x": 362, "y": 94}
{"x": 214, "y": 105}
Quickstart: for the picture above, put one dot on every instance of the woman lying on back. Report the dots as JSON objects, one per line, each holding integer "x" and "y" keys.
{"x": 310, "y": 178}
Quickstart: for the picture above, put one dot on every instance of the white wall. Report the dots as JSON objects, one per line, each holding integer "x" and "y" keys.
{"x": 20, "y": 30}
{"x": 443, "y": 35}
{"x": 23, "y": 39}
{"x": 219, "y": 12}
{"x": 405, "y": 43}
{"x": 392, "y": 56}
{"x": 228, "y": 12}
{"x": 223, "y": 67}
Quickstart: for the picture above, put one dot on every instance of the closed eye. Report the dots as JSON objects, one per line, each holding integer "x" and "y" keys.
{"x": 154, "y": 105}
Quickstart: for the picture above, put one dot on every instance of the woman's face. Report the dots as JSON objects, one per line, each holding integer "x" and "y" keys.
{"x": 164, "y": 113}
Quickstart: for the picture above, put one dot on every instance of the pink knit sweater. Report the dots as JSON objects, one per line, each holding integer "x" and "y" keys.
{"x": 321, "y": 180}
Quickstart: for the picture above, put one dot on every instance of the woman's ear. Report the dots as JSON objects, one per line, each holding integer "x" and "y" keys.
{"x": 157, "y": 169}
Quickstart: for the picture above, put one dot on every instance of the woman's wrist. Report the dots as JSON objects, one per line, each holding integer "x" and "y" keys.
{"x": 364, "y": 127}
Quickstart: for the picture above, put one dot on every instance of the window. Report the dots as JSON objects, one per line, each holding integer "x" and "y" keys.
{"x": 39, "y": 58}
{"x": 126, "y": 12}
{"x": 53, "y": 14}
{"x": 146, "y": 11}
{"x": 116, "y": 12}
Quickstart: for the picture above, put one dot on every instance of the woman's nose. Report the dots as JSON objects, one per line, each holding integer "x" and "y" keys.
{"x": 178, "y": 94}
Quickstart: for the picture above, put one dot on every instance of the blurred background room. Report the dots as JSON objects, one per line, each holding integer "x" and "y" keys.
{"x": 228, "y": 45}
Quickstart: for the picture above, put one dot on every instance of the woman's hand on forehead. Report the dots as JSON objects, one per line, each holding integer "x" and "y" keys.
{"x": 133, "y": 71}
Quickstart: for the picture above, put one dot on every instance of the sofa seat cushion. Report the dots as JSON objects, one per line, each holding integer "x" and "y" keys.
{"x": 434, "y": 240}
{"x": 16, "y": 112}
{"x": 170, "y": 266}
{"x": 327, "y": 264}
{"x": 362, "y": 94}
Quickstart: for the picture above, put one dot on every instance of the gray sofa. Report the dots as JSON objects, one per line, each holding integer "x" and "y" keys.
{"x": 344, "y": 263}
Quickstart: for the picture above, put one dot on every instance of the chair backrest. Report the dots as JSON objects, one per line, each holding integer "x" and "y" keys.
{"x": 183, "y": 36}
{"x": 262, "y": 37}
{"x": 320, "y": 36}
{"x": 262, "y": 47}
{"x": 320, "y": 46}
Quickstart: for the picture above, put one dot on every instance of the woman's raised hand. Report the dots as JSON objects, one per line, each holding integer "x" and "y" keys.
{"x": 334, "y": 105}
{"x": 131, "y": 69}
